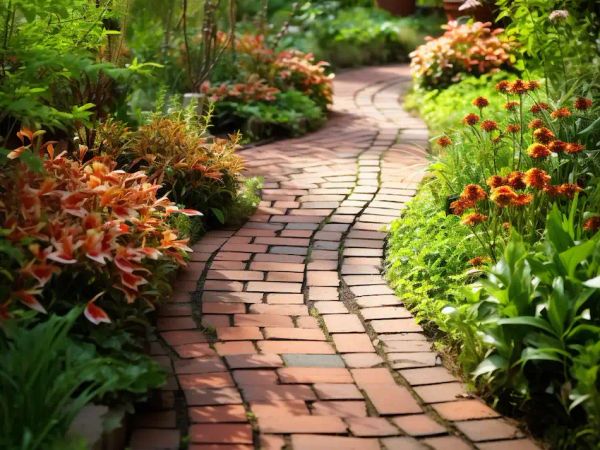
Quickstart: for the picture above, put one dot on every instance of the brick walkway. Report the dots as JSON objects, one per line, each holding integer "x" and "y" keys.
{"x": 283, "y": 334}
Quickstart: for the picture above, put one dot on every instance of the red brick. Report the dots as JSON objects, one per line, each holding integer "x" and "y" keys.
{"x": 315, "y": 442}
{"x": 516, "y": 444}
{"x": 489, "y": 429}
{"x": 334, "y": 391}
{"x": 219, "y": 285}
{"x": 206, "y": 380}
{"x": 445, "y": 392}
{"x": 262, "y": 393}
{"x": 271, "y": 442}
{"x": 314, "y": 375}
{"x": 253, "y": 361}
{"x": 307, "y": 347}
{"x": 217, "y": 414}
{"x": 353, "y": 342}
{"x": 239, "y": 333}
{"x": 199, "y": 365}
{"x": 372, "y": 376}
{"x": 273, "y": 286}
{"x": 223, "y": 308}
{"x": 231, "y": 297}
{"x": 291, "y": 277}
{"x": 404, "y": 443}
{"x": 396, "y": 326}
{"x": 204, "y": 397}
{"x": 331, "y": 307}
{"x": 371, "y": 426}
{"x": 174, "y": 338}
{"x": 298, "y": 242}
{"x": 174, "y": 309}
{"x": 255, "y": 377}
{"x": 322, "y": 265}
{"x": 215, "y": 320}
{"x": 343, "y": 323}
{"x": 301, "y": 424}
{"x": 194, "y": 350}
{"x": 427, "y": 375}
{"x": 317, "y": 293}
{"x": 298, "y": 334}
{"x": 228, "y": 265}
{"x": 362, "y": 360}
{"x": 340, "y": 408}
{"x": 464, "y": 410}
{"x": 385, "y": 312}
{"x": 322, "y": 278}
{"x": 446, "y": 442}
{"x": 279, "y": 408}
{"x": 236, "y": 275}
{"x": 418, "y": 425}
{"x": 307, "y": 322}
{"x": 282, "y": 310}
{"x": 263, "y": 320}
{"x": 285, "y": 299}
{"x": 234, "y": 348}
{"x": 277, "y": 266}
{"x": 221, "y": 433}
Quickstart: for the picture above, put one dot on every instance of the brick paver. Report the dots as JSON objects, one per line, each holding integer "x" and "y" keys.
{"x": 295, "y": 340}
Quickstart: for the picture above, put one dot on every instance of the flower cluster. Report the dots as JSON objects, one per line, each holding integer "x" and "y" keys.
{"x": 88, "y": 218}
{"x": 463, "y": 49}
{"x": 254, "y": 89}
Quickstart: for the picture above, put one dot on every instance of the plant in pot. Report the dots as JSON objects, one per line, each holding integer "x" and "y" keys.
{"x": 398, "y": 7}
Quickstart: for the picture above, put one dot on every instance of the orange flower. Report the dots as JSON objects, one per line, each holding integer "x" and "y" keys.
{"x": 569, "y": 189}
{"x": 522, "y": 200}
{"x": 481, "y": 102}
{"x": 516, "y": 180}
{"x": 511, "y": 106}
{"x": 557, "y": 146}
{"x": 513, "y": 128}
{"x": 496, "y": 181}
{"x": 471, "y": 119}
{"x": 536, "y": 178}
{"x": 479, "y": 261}
{"x": 535, "y": 124}
{"x": 460, "y": 206}
{"x": 582, "y": 103}
{"x": 592, "y": 224}
{"x": 503, "y": 196}
{"x": 473, "y": 219}
{"x": 538, "y": 151}
{"x": 444, "y": 141}
{"x": 552, "y": 191}
{"x": 532, "y": 85}
{"x": 503, "y": 86}
{"x": 519, "y": 87}
{"x": 561, "y": 113}
{"x": 573, "y": 148}
{"x": 506, "y": 225}
{"x": 543, "y": 135}
{"x": 473, "y": 193}
{"x": 537, "y": 108}
{"x": 489, "y": 125}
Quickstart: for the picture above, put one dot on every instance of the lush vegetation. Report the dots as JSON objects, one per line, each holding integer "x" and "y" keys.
{"x": 513, "y": 201}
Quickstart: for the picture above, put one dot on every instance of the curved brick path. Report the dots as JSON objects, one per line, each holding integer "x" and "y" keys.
{"x": 304, "y": 346}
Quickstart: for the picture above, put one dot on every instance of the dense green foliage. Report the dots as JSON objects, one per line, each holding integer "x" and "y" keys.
{"x": 526, "y": 317}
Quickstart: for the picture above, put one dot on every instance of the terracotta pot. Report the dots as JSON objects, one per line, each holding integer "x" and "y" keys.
{"x": 483, "y": 13}
{"x": 398, "y": 7}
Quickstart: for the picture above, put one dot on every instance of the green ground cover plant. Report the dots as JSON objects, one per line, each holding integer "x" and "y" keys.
{"x": 517, "y": 161}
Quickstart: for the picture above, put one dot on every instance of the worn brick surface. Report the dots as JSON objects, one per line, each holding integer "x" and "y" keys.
{"x": 291, "y": 330}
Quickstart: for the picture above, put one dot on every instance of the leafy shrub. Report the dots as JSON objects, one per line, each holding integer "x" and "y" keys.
{"x": 444, "y": 109}
{"x": 47, "y": 377}
{"x": 427, "y": 259}
{"x": 463, "y": 49}
{"x": 292, "y": 114}
{"x": 531, "y": 318}
{"x": 194, "y": 170}
{"x": 80, "y": 229}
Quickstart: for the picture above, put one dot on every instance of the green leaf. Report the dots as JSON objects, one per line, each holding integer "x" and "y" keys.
{"x": 535, "y": 322}
{"x": 218, "y": 214}
{"x": 593, "y": 282}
